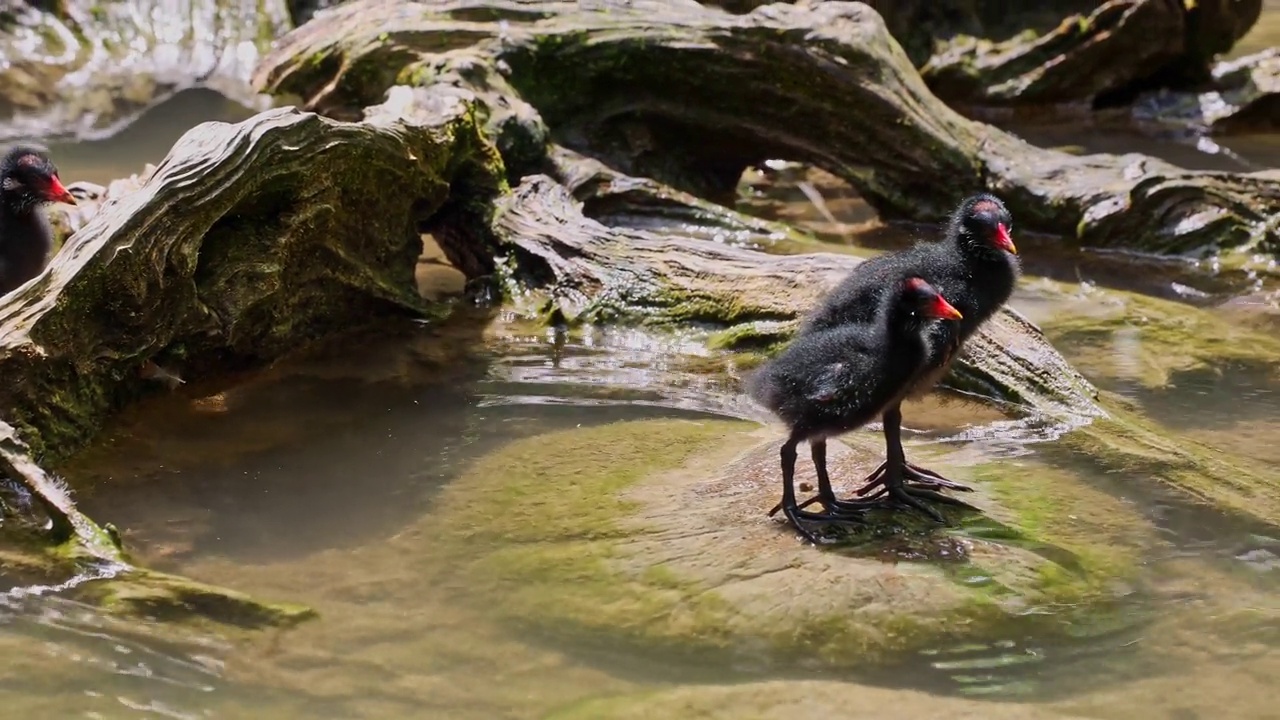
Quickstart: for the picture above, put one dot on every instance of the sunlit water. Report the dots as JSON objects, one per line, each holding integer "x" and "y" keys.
{"x": 297, "y": 473}
{"x": 299, "y": 483}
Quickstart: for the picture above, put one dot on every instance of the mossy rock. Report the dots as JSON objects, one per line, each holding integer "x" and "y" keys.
{"x": 1125, "y": 335}
{"x": 655, "y": 534}
{"x": 789, "y": 699}
{"x": 1148, "y": 347}
{"x": 1129, "y": 445}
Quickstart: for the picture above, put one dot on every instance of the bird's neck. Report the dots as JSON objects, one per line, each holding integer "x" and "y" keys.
{"x": 24, "y": 231}
{"x": 905, "y": 326}
{"x": 17, "y": 205}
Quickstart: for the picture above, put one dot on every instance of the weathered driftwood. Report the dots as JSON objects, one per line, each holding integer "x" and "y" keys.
{"x": 1243, "y": 97}
{"x": 615, "y": 199}
{"x": 995, "y": 53}
{"x": 600, "y": 273}
{"x": 246, "y": 241}
{"x": 690, "y": 95}
{"x": 85, "y": 67}
{"x": 1070, "y": 51}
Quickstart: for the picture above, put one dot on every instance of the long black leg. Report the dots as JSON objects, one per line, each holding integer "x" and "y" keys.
{"x": 826, "y": 495}
{"x": 918, "y": 477}
{"x": 896, "y": 460}
{"x": 789, "y": 506}
{"x": 848, "y": 510}
{"x": 818, "y": 451}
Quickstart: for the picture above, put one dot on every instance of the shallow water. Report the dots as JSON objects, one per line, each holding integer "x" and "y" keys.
{"x": 308, "y": 482}
{"x": 316, "y": 481}
{"x": 146, "y": 140}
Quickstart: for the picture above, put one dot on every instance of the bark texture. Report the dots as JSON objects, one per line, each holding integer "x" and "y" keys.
{"x": 246, "y": 241}
{"x": 690, "y": 95}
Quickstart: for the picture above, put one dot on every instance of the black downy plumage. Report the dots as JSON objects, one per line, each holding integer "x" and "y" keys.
{"x": 975, "y": 267}
{"x": 828, "y": 382}
{"x": 27, "y": 179}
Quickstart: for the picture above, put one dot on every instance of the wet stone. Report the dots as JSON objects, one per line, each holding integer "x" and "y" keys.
{"x": 655, "y": 534}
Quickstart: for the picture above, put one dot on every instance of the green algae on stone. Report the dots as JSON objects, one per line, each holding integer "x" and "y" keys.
{"x": 1091, "y": 539}
{"x": 123, "y": 590}
{"x": 1151, "y": 340}
{"x": 654, "y": 533}
{"x": 147, "y": 593}
{"x": 1129, "y": 445}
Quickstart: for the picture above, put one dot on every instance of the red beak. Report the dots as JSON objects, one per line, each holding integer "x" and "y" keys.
{"x": 1004, "y": 241}
{"x": 59, "y": 193}
{"x": 944, "y": 310}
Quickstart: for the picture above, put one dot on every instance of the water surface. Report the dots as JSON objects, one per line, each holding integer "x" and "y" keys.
{"x": 315, "y": 481}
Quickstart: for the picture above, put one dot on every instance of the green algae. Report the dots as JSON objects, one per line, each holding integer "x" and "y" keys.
{"x": 558, "y": 517}
{"x": 1091, "y": 539}
{"x": 581, "y": 552}
{"x": 1129, "y": 445}
{"x": 1161, "y": 339}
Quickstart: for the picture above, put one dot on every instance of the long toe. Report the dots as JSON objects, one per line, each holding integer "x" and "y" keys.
{"x": 905, "y": 497}
{"x": 778, "y": 508}
{"x": 850, "y": 508}
{"x": 874, "y": 480}
{"x": 924, "y": 477}
{"x": 927, "y": 494}
{"x": 799, "y": 518}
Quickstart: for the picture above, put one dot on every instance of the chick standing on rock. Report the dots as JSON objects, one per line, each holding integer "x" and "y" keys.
{"x": 975, "y": 267}
{"x": 829, "y": 382}
{"x": 27, "y": 180}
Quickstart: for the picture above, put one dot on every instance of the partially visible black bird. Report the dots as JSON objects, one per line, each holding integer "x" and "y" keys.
{"x": 27, "y": 179}
{"x": 828, "y": 382}
{"x": 975, "y": 267}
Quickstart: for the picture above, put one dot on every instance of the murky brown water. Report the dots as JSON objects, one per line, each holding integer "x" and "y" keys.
{"x": 315, "y": 482}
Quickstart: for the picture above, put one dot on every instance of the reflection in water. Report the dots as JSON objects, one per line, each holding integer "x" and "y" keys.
{"x": 146, "y": 140}
{"x": 312, "y": 481}
{"x": 309, "y": 481}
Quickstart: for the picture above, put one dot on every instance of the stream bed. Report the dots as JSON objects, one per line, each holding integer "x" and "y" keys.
{"x": 340, "y": 479}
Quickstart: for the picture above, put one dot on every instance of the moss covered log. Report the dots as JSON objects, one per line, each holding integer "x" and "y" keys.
{"x": 1067, "y": 51}
{"x": 606, "y": 274}
{"x": 1076, "y": 52}
{"x": 246, "y": 241}
{"x": 690, "y": 96}
{"x": 615, "y": 274}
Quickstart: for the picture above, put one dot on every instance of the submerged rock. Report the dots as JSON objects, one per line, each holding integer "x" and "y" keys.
{"x": 654, "y": 534}
{"x": 789, "y": 699}
{"x": 1116, "y": 335}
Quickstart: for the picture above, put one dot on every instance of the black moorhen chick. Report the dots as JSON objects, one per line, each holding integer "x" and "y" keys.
{"x": 829, "y": 382}
{"x": 975, "y": 267}
{"x": 27, "y": 179}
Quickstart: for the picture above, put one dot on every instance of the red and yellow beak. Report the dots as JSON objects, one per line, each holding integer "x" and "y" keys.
{"x": 944, "y": 310}
{"x": 1004, "y": 240}
{"x": 59, "y": 193}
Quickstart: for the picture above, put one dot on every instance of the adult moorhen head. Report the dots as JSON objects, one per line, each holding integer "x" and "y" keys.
{"x": 829, "y": 382}
{"x": 28, "y": 179}
{"x": 974, "y": 266}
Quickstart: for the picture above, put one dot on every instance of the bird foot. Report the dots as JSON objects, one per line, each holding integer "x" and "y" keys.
{"x": 840, "y": 509}
{"x": 799, "y": 517}
{"x": 913, "y": 497}
{"x": 915, "y": 480}
{"x": 913, "y": 476}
